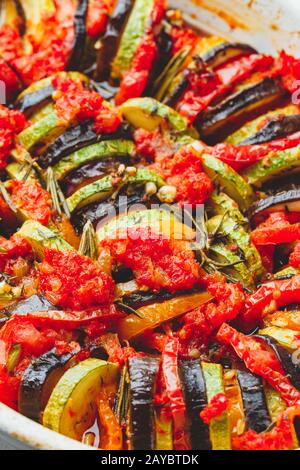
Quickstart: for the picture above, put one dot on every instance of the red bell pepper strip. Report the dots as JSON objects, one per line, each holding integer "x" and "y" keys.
{"x": 216, "y": 407}
{"x": 70, "y": 320}
{"x": 279, "y": 293}
{"x": 243, "y": 156}
{"x": 97, "y": 15}
{"x": 260, "y": 361}
{"x": 175, "y": 394}
{"x": 276, "y": 229}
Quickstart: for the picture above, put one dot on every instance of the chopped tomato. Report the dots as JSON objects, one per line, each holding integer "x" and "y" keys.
{"x": 11, "y": 123}
{"x": 74, "y": 101}
{"x": 215, "y": 408}
{"x": 199, "y": 324}
{"x": 279, "y": 438}
{"x": 74, "y": 281}
{"x": 152, "y": 145}
{"x": 10, "y": 80}
{"x": 14, "y": 249}
{"x": 10, "y": 42}
{"x": 182, "y": 37}
{"x": 295, "y": 257}
{"x": 32, "y": 199}
{"x": 157, "y": 262}
{"x": 287, "y": 68}
{"x": 260, "y": 361}
{"x": 185, "y": 172}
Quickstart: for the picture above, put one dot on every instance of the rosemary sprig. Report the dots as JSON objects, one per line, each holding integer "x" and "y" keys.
{"x": 59, "y": 201}
{"x": 128, "y": 309}
{"x": 122, "y": 401}
{"x": 89, "y": 243}
{"x": 7, "y": 197}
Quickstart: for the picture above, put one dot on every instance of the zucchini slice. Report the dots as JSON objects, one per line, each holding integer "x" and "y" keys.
{"x": 251, "y": 128}
{"x": 110, "y": 41}
{"x": 274, "y": 165}
{"x": 38, "y": 381}
{"x": 149, "y": 114}
{"x": 285, "y": 337}
{"x": 229, "y": 180}
{"x": 71, "y": 408}
{"x": 41, "y": 237}
{"x": 219, "y": 427}
{"x": 195, "y": 398}
{"x": 217, "y": 122}
{"x": 108, "y": 149}
{"x": 133, "y": 33}
{"x": 142, "y": 375}
{"x": 96, "y": 191}
{"x": 255, "y": 406}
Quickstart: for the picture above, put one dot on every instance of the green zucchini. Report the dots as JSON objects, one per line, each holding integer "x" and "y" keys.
{"x": 41, "y": 132}
{"x": 17, "y": 171}
{"x": 274, "y": 165}
{"x": 105, "y": 149}
{"x": 161, "y": 221}
{"x": 41, "y": 237}
{"x": 286, "y": 272}
{"x": 229, "y": 180}
{"x": 284, "y": 336}
{"x": 239, "y": 271}
{"x": 219, "y": 427}
{"x": 221, "y": 203}
{"x": 149, "y": 114}
{"x": 252, "y": 127}
{"x": 71, "y": 409}
{"x": 136, "y": 27}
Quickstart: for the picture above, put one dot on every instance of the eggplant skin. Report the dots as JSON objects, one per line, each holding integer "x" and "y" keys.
{"x": 98, "y": 211}
{"x": 218, "y": 122}
{"x": 80, "y": 35}
{"x": 280, "y": 201}
{"x": 142, "y": 374}
{"x": 35, "y": 303}
{"x": 194, "y": 389}
{"x": 88, "y": 172}
{"x": 226, "y": 51}
{"x": 111, "y": 39}
{"x": 275, "y": 129}
{"x": 76, "y": 138}
{"x": 285, "y": 358}
{"x": 33, "y": 395}
{"x": 255, "y": 406}
{"x": 33, "y": 99}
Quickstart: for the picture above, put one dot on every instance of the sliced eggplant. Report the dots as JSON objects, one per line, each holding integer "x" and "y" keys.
{"x": 78, "y": 48}
{"x": 36, "y": 98}
{"x": 195, "y": 399}
{"x": 275, "y": 129}
{"x": 39, "y": 380}
{"x": 255, "y": 406}
{"x": 225, "y": 52}
{"x": 285, "y": 358}
{"x": 110, "y": 42}
{"x": 142, "y": 374}
{"x": 108, "y": 209}
{"x": 217, "y": 122}
{"x": 286, "y": 200}
{"x": 35, "y": 303}
{"x": 102, "y": 150}
{"x": 90, "y": 172}
{"x": 76, "y": 138}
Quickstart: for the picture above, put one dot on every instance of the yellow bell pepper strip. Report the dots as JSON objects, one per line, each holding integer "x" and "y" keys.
{"x": 111, "y": 433}
{"x": 151, "y": 316}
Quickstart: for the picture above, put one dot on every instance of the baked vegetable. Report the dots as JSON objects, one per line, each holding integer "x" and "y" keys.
{"x": 142, "y": 375}
{"x": 71, "y": 409}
